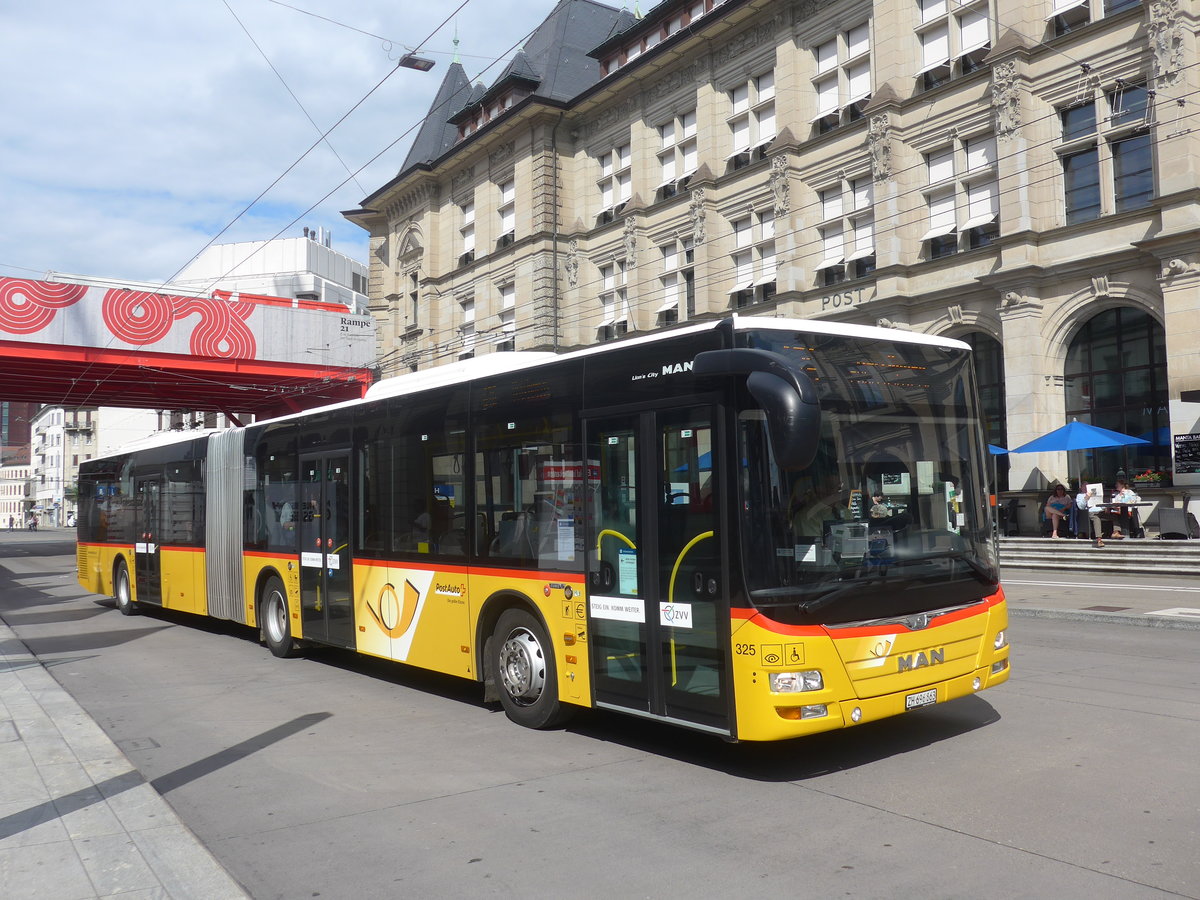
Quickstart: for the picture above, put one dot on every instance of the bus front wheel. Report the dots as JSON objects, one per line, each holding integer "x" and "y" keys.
{"x": 522, "y": 668}
{"x": 122, "y": 591}
{"x": 274, "y": 618}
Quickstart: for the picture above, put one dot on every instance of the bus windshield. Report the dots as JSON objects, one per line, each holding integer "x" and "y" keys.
{"x": 892, "y": 517}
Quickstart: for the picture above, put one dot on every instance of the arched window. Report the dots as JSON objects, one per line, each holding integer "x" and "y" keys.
{"x": 1116, "y": 378}
{"x": 989, "y": 376}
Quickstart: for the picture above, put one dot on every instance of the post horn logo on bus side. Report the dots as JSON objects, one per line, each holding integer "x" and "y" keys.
{"x": 392, "y": 615}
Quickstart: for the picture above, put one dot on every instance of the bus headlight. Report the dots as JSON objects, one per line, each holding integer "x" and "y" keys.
{"x": 795, "y": 682}
{"x": 1001, "y": 640}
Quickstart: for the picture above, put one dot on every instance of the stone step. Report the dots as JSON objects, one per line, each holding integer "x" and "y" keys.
{"x": 1129, "y": 555}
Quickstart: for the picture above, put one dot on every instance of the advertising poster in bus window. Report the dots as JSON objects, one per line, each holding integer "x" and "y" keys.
{"x": 560, "y": 508}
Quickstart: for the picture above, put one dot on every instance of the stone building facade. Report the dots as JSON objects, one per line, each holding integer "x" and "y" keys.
{"x": 1021, "y": 174}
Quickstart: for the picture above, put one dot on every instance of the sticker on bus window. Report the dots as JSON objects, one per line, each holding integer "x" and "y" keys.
{"x": 618, "y": 609}
{"x": 312, "y": 560}
{"x": 806, "y": 553}
{"x": 566, "y": 539}
{"x": 627, "y": 582}
{"x": 675, "y": 615}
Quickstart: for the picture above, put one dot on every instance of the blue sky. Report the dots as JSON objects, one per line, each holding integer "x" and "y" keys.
{"x": 134, "y": 130}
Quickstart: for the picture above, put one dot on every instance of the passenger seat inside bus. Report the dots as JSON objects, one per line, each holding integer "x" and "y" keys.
{"x": 513, "y": 540}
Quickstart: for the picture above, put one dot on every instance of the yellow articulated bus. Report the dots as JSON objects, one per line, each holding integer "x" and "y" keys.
{"x": 755, "y": 528}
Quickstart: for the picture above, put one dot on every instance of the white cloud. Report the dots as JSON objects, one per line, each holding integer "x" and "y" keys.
{"x": 135, "y": 130}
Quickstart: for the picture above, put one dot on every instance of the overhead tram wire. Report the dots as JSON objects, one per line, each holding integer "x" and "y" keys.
{"x": 291, "y": 93}
{"x": 454, "y": 346}
{"x": 890, "y": 221}
{"x": 390, "y": 42}
{"x": 341, "y": 184}
{"x": 312, "y": 147}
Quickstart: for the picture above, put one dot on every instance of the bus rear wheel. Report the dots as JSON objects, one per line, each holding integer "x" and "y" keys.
{"x": 274, "y": 619}
{"x": 522, "y": 667}
{"x": 122, "y": 592}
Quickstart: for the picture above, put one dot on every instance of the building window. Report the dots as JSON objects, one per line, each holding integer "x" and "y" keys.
{"x": 962, "y": 196}
{"x": 954, "y": 37}
{"x": 466, "y": 328}
{"x": 751, "y": 119}
{"x": 614, "y": 302}
{"x": 677, "y": 156}
{"x": 467, "y": 231}
{"x": 414, "y": 299}
{"x": 753, "y": 259}
{"x": 507, "y": 338}
{"x": 842, "y": 83}
{"x": 507, "y": 212}
{"x": 615, "y": 183}
{"x": 678, "y": 283}
{"x": 847, "y": 231}
{"x": 1116, "y": 378}
{"x": 1066, "y": 16}
{"x": 1106, "y": 153}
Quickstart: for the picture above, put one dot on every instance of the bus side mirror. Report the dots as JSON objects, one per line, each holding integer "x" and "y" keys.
{"x": 786, "y": 394}
{"x": 794, "y": 426}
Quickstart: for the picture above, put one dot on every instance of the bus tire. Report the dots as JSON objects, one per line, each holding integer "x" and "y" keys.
{"x": 275, "y": 619}
{"x": 523, "y": 670}
{"x": 122, "y": 591}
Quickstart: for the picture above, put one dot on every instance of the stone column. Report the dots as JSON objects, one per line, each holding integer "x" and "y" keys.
{"x": 1033, "y": 392}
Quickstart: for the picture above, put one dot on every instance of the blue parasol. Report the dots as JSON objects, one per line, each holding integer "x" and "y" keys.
{"x": 1077, "y": 436}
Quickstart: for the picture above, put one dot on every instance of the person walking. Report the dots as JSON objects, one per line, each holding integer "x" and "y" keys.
{"x": 10, "y": 523}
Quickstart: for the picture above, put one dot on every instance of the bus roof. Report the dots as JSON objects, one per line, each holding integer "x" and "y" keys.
{"x": 499, "y": 363}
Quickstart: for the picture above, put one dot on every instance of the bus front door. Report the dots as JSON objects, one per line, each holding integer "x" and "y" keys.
{"x": 323, "y": 527}
{"x": 147, "y": 553}
{"x": 658, "y": 617}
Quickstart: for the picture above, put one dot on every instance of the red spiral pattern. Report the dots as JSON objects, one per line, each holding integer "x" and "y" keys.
{"x": 138, "y": 317}
{"x": 142, "y": 318}
{"x": 28, "y": 306}
{"x": 222, "y": 332}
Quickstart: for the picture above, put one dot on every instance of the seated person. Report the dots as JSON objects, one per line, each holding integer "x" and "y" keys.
{"x": 879, "y": 508}
{"x": 1124, "y": 519}
{"x": 1057, "y": 508}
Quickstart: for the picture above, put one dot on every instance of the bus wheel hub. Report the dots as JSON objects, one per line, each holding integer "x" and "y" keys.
{"x": 522, "y": 668}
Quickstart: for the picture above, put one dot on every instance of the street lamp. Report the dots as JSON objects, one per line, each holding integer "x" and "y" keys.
{"x": 412, "y": 61}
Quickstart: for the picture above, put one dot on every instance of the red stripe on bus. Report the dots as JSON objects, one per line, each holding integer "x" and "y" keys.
{"x": 866, "y": 630}
{"x": 265, "y": 554}
{"x": 472, "y": 570}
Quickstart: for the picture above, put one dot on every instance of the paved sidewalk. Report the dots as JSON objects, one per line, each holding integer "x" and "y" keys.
{"x": 77, "y": 820}
{"x": 1158, "y": 602}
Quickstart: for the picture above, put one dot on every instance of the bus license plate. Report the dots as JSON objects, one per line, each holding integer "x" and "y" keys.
{"x": 924, "y": 698}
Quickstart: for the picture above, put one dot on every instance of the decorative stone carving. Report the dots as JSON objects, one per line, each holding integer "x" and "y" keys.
{"x": 1175, "y": 267}
{"x": 1100, "y": 286}
{"x": 1006, "y": 98}
{"x": 501, "y": 153}
{"x": 630, "y": 240}
{"x": 746, "y": 42}
{"x": 572, "y": 264}
{"x": 1016, "y": 302}
{"x": 613, "y": 115}
{"x": 696, "y": 212}
{"x": 883, "y": 322}
{"x": 879, "y": 146}
{"x": 1166, "y": 40}
{"x": 780, "y": 189}
{"x": 462, "y": 178}
{"x": 955, "y": 313}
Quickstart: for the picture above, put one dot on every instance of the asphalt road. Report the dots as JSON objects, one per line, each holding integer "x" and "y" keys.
{"x": 336, "y": 777}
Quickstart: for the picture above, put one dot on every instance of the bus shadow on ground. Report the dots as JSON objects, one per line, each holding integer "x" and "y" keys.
{"x": 800, "y": 758}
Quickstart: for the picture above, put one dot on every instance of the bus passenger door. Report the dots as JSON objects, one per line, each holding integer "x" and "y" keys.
{"x": 658, "y": 619}
{"x": 323, "y": 526}
{"x": 147, "y": 552}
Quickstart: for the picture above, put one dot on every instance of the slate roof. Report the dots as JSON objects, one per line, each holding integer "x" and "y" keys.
{"x": 436, "y": 134}
{"x": 553, "y": 64}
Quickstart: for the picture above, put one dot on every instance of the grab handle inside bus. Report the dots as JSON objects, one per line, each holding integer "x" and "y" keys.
{"x": 785, "y": 393}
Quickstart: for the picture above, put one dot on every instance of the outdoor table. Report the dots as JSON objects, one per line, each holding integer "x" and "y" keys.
{"x": 1125, "y": 512}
